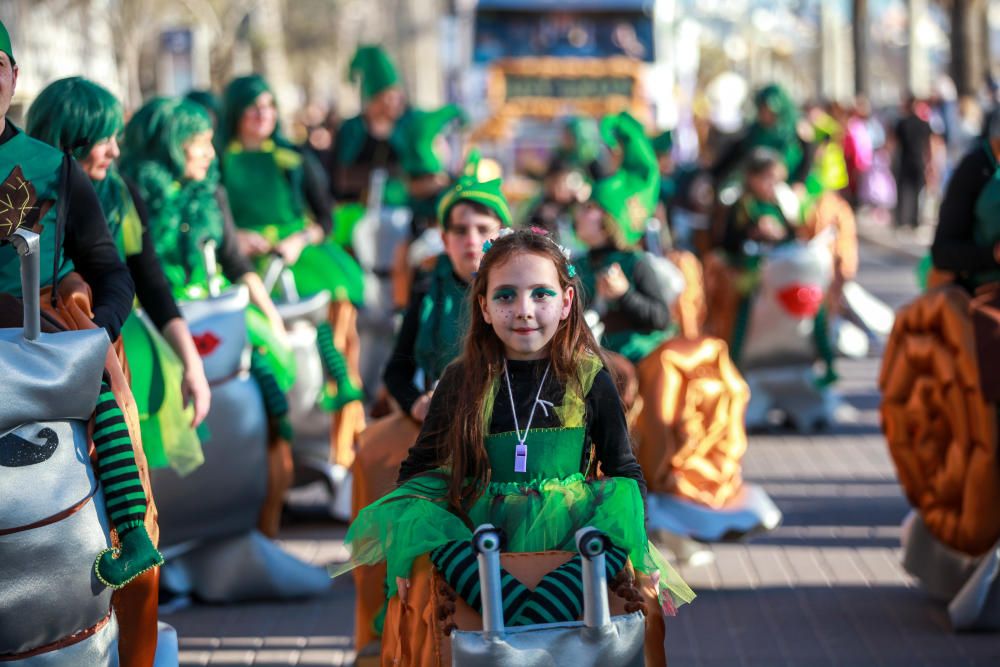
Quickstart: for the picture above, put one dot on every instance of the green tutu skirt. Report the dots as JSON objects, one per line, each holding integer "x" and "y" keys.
{"x": 539, "y": 515}
{"x": 164, "y": 421}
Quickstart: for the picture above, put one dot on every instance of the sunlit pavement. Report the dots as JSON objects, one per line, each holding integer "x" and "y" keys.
{"x": 825, "y": 588}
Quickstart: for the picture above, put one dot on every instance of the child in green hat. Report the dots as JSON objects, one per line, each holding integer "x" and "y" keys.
{"x": 619, "y": 280}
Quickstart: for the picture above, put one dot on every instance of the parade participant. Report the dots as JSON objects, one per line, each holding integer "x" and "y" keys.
{"x": 618, "y": 280}
{"x": 775, "y": 127}
{"x": 429, "y": 338}
{"x": 168, "y": 154}
{"x": 529, "y": 361}
{"x": 371, "y": 140}
{"x": 967, "y": 239}
{"x": 756, "y": 217}
{"x": 85, "y": 285}
{"x": 81, "y": 117}
{"x": 280, "y": 204}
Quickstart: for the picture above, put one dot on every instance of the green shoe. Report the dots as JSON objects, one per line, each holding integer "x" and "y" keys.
{"x": 136, "y": 555}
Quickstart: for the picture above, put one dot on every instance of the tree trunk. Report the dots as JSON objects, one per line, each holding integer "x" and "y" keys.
{"x": 860, "y": 38}
{"x": 968, "y": 68}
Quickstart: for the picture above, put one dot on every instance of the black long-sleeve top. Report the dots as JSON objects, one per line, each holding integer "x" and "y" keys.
{"x": 402, "y": 365}
{"x": 643, "y": 307}
{"x": 151, "y": 286}
{"x": 88, "y": 244}
{"x": 232, "y": 261}
{"x": 606, "y": 428}
{"x": 953, "y": 248}
{"x": 318, "y": 197}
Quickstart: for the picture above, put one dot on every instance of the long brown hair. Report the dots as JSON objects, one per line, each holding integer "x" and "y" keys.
{"x": 462, "y": 442}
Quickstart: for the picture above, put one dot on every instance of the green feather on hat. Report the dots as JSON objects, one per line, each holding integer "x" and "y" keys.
{"x": 630, "y": 195}
{"x": 469, "y": 188}
{"x": 373, "y": 69}
{"x": 420, "y": 130}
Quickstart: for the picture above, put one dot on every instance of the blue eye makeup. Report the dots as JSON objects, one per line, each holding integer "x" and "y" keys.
{"x": 542, "y": 292}
{"x": 503, "y": 295}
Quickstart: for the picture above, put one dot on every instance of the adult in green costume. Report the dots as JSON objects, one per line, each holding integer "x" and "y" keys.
{"x": 169, "y": 385}
{"x": 280, "y": 204}
{"x": 169, "y": 155}
{"x": 47, "y": 192}
{"x": 619, "y": 281}
{"x": 470, "y": 213}
{"x": 776, "y": 127}
{"x": 373, "y": 139}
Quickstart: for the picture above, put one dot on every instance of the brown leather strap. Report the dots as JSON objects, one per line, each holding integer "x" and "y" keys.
{"x": 72, "y": 639}
{"x": 59, "y": 516}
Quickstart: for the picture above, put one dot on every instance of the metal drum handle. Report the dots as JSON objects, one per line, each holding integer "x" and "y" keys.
{"x": 486, "y": 541}
{"x": 27, "y": 245}
{"x": 592, "y": 543}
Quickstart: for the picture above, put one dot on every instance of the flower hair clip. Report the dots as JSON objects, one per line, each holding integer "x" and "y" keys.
{"x": 507, "y": 231}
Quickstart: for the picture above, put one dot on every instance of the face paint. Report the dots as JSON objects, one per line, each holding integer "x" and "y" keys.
{"x": 525, "y": 304}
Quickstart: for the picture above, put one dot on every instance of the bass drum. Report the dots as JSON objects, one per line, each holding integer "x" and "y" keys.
{"x": 53, "y": 523}
{"x": 941, "y": 433}
{"x": 224, "y": 496}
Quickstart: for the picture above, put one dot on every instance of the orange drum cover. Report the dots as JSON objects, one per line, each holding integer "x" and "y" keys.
{"x": 382, "y": 447}
{"x": 689, "y": 310}
{"x": 942, "y": 435}
{"x": 722, "y": 297}
{"x": 690, "y": 434}
{"x": 416, "y": 631}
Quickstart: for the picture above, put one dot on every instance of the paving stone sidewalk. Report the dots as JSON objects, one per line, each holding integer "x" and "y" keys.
{"x": 824, "y": 589}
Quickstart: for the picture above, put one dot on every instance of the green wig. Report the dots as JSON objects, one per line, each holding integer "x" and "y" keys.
{"x": 158, "y": 131}
{"x": 153, "y": 157}
{"x": 73, "y": 115}
{"x": 207, "y": 99}
{"x": 239, "y": 95}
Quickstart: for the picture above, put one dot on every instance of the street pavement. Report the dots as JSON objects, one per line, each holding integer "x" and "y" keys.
{"x": 824, "y": 589}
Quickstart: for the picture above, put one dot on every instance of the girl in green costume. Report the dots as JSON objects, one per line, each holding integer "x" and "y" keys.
{"x": 274, "y": 188}
{"x": 168, "y": 154}
{"x": 169, "y": 385}
{"x": 514, "y": 436}
{"x": 619, "y": 280}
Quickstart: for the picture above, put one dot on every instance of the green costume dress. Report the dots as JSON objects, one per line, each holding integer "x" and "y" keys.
{"x": 539, "y": 510}
{"x": 265, "y": 191}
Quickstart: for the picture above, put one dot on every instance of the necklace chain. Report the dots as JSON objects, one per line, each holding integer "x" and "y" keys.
{"x": 513, "y": 407}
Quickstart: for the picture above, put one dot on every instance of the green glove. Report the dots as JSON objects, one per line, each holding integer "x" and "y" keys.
{"x": 136, "y": 555}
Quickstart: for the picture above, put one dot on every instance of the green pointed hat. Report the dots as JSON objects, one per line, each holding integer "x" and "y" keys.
{"x": 629, "y": 196}
{"x": 663, "y": 142}
{"x": 420, "y": 131}
{"x": 469, "y": 188}
{"x": 5, "y": 45}
{"x": 372, "y": 67}
{"x": 586, "y": 140}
